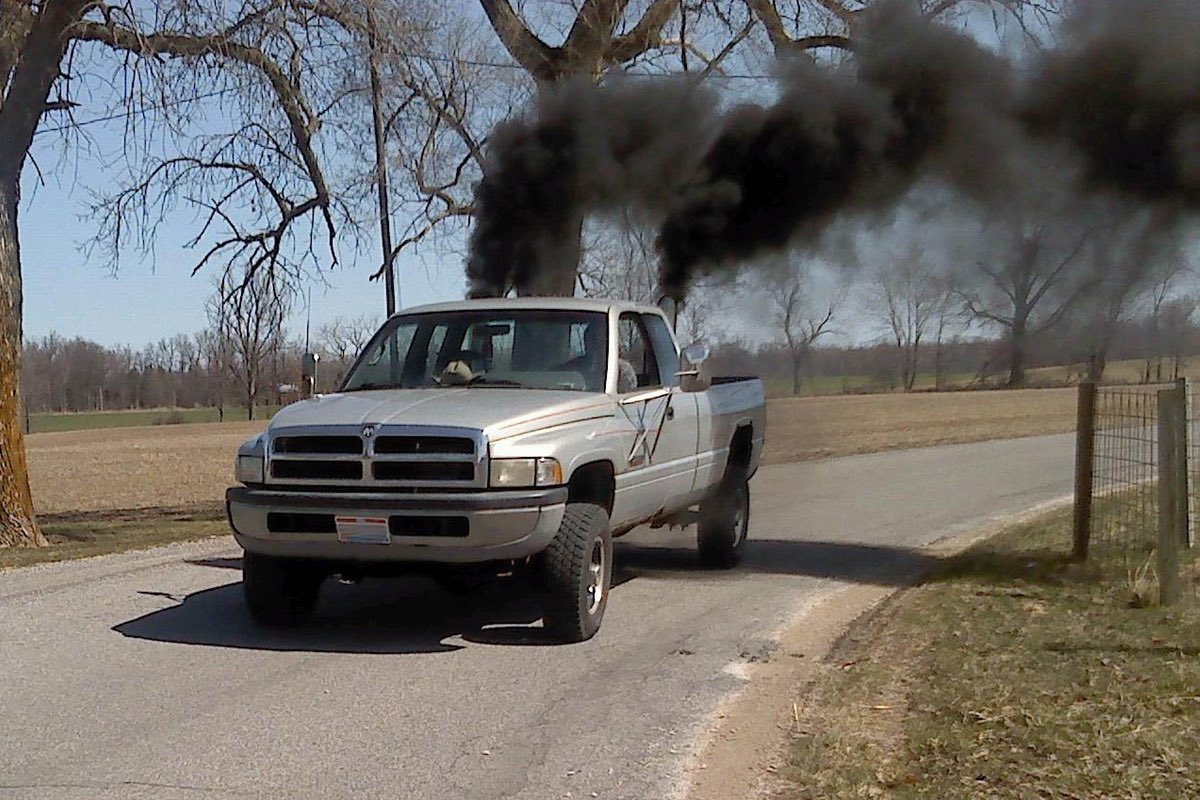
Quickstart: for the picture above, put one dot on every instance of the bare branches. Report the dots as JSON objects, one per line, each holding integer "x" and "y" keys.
{"x": 535, "y": 56}
{"x": 816, "y": 24}
{"x": 259, "y": 247}
{"x": 591, "y": 44}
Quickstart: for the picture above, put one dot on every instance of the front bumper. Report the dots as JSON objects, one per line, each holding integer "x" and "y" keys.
{"x": 502, "y": 525}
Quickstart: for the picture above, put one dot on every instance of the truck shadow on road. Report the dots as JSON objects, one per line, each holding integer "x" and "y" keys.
{"x": 416, "y": 615}
{"x": 880, "y": 565}
{"x": 396, "y": 616}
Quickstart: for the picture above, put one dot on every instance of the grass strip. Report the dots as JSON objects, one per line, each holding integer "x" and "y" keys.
{"x": 1010, "y": 673}
{"x": 82, "y": 536}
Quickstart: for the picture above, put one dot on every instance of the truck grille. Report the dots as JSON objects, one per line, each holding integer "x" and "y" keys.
{"x": 424, "y": 445}
{"x": 326, "y": 445}
{"x": 378, "y": 457}
{"x": 319, "y": 470}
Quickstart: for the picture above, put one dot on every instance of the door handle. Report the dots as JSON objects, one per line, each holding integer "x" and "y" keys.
{"x": 670, "y": 413}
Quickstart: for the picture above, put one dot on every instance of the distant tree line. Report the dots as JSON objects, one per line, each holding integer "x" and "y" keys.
{"x": 245, "y": 368}
{"x": 1160, "y": 343}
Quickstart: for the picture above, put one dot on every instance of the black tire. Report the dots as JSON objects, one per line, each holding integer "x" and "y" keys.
{"x": 571, "y": 576}
{"x": 280, "y": 592}
{"x": 725, "y": 523}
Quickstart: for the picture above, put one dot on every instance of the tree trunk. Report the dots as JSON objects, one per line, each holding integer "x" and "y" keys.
{"x": 560, "y": 268}
{"x": 938, "y": 380}
{"x": 910, "y": 367}
{"x": 18, "y": 525}
{"x": 797, "y": 361}
{"x": 1016, "y": 355}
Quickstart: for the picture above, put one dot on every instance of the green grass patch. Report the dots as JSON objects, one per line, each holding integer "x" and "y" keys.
{"x": 1011, "y": 673}
{"x": 50, "y": 423}
{"x": 100, "y": 534}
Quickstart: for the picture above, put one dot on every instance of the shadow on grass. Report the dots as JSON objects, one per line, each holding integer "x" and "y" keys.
{"x": 985, "y": 565}
{"x": 1153, "y": 649}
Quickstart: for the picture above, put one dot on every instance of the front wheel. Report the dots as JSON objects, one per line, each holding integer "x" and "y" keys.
{"x": 280, "y": 591}
{"x": 724, "y": 523}
{"x": 576, "y": 571}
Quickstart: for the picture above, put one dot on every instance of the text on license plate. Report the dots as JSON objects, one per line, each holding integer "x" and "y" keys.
{"x": 363, "y": 530}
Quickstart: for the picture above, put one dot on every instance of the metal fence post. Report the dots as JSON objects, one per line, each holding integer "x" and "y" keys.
{"x": 1171, "y": 418}
{"x": 1182, "y": 473}
{"x": 1085, "y": 450}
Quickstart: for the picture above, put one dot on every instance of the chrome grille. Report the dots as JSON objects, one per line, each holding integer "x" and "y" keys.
{"x": 378, "y": 457}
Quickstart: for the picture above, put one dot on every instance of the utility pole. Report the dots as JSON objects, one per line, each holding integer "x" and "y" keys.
{"x": 381, "y": 171}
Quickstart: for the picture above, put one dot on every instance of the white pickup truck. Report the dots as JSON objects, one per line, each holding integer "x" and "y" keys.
{"x": 485, "y": 435}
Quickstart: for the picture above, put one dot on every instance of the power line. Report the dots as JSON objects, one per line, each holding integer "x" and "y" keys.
{"x": 168, "y": 104}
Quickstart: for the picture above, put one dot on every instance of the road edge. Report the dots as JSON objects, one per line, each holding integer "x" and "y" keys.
{"x": 744, "y": 743}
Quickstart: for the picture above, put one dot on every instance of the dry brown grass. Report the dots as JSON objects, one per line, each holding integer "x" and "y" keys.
{"x": 1011, "y": 674}
{"x": 807, "y": 428}
{"x": 189, "y": 466}
{"x": 122, "y": 468}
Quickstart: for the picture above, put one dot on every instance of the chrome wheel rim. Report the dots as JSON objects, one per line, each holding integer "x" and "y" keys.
{"x": 596, "y": 569}
{"x": 741, "y": 520}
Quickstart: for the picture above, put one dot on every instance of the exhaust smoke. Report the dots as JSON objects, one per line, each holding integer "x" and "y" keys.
{"x": 1110, "y": 118}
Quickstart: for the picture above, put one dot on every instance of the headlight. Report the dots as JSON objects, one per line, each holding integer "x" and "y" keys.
{"x": 248, "y": 469}
{"x": 508, "y": 473}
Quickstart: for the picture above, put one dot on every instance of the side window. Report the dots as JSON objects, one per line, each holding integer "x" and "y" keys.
{"x": 635, "y": 354}
{"x": 664, "y": 348}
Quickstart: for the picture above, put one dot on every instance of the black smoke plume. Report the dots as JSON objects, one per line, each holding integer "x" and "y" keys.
{"x": 1110, "y": 117}
{"x": 1123, "y": 90}
{"x": 583, "y": 150}
{"x": 834, "y": 143}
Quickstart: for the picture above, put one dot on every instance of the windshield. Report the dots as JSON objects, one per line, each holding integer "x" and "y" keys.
{"x": 531, "y": 348}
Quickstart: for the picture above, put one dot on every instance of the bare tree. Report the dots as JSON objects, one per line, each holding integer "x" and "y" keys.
{"x": 261, "y": 188}
{"x": 618, "y": 261}
{"x": 831, "y": 25}
{"x": 1029, "y": 284}
{"x": 797, "y": 317}
{"x": 249, "y": 322}
{"x": 1163, "y": 286}
{"x": 1177, "y": 326}
{"x": 909, "y": 295}
{"x": 343, "y": 338}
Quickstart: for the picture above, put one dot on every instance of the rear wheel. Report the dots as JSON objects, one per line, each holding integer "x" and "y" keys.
{"x": 280, "y": 591}
{"x": 576, "y": 573}
{"x": 725, "y": 523}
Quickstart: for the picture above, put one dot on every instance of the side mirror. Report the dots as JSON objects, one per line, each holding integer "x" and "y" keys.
{"x": 308, "y": 371}
{"x": 692, "y": 375}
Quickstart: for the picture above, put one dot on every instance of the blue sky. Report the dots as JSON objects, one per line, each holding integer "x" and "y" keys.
{"x": 75, "y": 294}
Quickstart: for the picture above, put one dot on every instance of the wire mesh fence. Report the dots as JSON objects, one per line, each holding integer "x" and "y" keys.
{"x": 1125, "y": 467}
{"x": 1136, "y": 479}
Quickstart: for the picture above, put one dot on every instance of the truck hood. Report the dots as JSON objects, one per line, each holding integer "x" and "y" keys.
{"x": 498, "y": 412}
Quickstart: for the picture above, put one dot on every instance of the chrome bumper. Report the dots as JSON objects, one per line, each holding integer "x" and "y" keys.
{"x": 502, "y": 525}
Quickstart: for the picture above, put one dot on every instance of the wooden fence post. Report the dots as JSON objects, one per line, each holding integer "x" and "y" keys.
{"x": 1171, "y": 418}
{"x": 1085, "y": 451}
{"x": 1187, "y": 480}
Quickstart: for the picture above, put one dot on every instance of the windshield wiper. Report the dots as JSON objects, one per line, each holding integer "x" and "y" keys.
{"x": 481, "y": 380}
{"x": 367, "y": 387}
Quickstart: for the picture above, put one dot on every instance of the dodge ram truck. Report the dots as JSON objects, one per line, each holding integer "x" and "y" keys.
{"x": 507, "y": 436}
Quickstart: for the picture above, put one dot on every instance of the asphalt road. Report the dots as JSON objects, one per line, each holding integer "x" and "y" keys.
{"x": 140, "y": 675}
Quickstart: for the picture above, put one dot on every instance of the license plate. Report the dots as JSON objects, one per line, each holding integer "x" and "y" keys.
{"x": 363, "y": 530}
